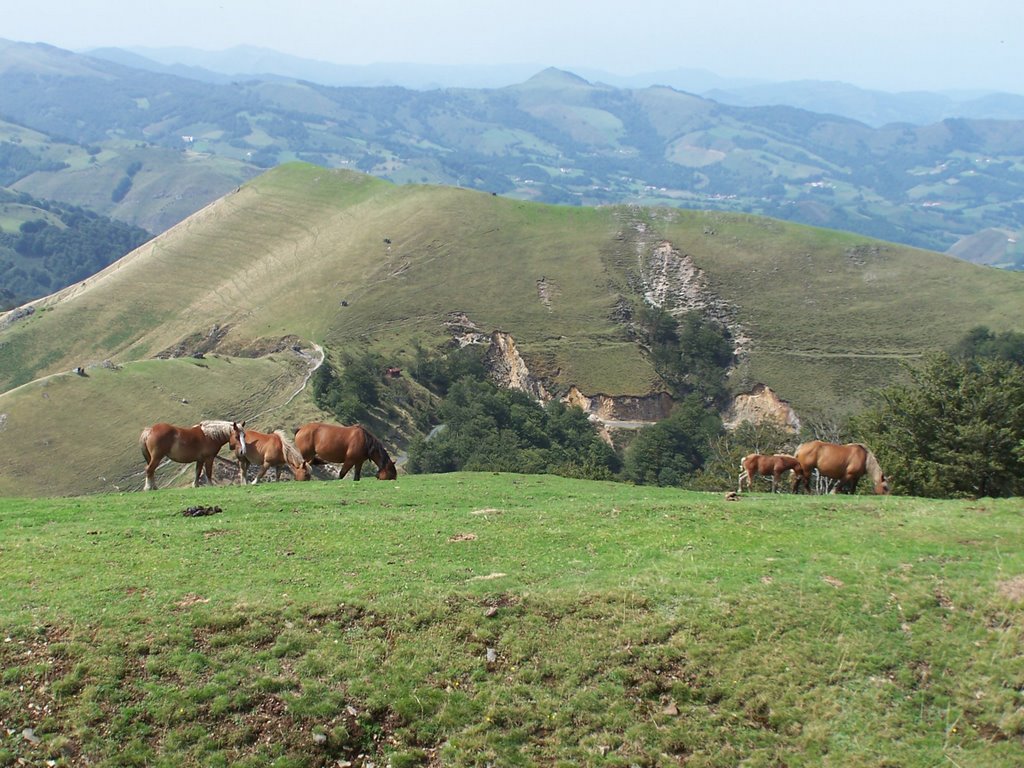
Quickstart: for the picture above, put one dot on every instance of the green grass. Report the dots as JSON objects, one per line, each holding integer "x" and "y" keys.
{"x": 307, "y": 624}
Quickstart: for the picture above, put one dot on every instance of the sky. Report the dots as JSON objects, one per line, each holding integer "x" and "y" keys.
{"x": 891, "y": 45}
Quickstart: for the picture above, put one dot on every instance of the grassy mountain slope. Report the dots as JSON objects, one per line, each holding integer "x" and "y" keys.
{"x": 302, "y": 255}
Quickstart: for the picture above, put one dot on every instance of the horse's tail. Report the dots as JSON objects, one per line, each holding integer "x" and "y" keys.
{"x": 291, "y": 453}
{"x": 143, "y": 440}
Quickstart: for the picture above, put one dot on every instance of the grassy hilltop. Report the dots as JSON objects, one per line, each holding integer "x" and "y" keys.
{"x": 303, "y": 256}
{"x": 473, "y": 619}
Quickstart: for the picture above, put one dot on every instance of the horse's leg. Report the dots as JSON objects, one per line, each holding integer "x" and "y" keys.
{"x": 259, "y": 475}
{"x": 775, "y": 480}
{"x": 345, "y": 468}
{"x": 208, "y": 466}
{"x": 743, "y": 475}
{"x": 243, "y": 467}
{"x": 150, "y": 471}
{"x": 151, "y": 464}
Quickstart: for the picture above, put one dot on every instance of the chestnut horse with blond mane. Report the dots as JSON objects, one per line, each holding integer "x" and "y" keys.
{"x": 768, "y": 466}
{"x": 200, "y": 444}
{"x": 348, "y": 446}
{"x": 265, "y": 450}
{"x": 845, "y": 464}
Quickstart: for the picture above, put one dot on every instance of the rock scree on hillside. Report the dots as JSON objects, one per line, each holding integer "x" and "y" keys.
{"x": 761, "y": 405}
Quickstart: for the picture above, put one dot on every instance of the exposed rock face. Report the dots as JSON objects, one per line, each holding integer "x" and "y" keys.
{"x": 607, "y": 408}
{"x": 760, "y": 405}
{"x": 508, "y": 369}
{"x": 673, "y": 282}
{"x": 464, "y": 331}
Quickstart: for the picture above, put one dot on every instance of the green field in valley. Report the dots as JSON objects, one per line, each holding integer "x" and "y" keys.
{"x": 491, "y": 619}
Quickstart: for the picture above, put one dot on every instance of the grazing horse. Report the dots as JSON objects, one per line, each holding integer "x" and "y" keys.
{"x": 773, "y": 466}
{"x": 183, "y": 444}
{"x": 845, "y": 464}
{"x": 266, "y": 450}
{"x": 348, "y": 446}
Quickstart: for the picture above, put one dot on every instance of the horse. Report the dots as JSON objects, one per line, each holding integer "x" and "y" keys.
{"x": 349, "y": 446}
{"x": 761, "y": 464}
{"x": 200, "y": 443}
{"x": 266, "y": 450}
{"x": 844, "y": 463}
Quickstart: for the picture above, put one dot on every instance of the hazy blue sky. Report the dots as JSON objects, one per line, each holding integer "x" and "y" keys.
{"x": 885, "y": 44}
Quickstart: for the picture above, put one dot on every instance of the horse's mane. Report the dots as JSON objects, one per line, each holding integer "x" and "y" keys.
{"x": 872, "y": 465}
{"x": 216, "y": 429}
{"x": 375, "y": 449}
{"x": 291, "y": 453}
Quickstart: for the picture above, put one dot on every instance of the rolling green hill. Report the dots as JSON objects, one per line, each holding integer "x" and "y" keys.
{"x": 304, "y": 256}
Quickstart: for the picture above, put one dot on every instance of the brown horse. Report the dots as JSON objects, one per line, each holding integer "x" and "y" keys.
{"x": 348, "y": 446}
{"x": 183, "y": 444}
{"x": 845, "y": 464}
{"x": 266, "y": 450}
{"x": 773, "y": 466}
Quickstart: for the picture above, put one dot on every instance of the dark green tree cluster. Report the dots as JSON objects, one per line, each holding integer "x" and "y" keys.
{"x": 42, "y": 256}
{"x": 16, "y": 163}
{"x": 672, "y": 451}
{"x": 482, "y": 427}
{"x": 438, "y": 372}
{"x": 692, "y": 354}
{"x": 351, "y": 394}
{"x": 980, "y": 342}
{"x": 125, "y": 184}
{"x": 956, "y": 429}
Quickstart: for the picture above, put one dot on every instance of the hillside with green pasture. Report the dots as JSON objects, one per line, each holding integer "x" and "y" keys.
{"x": 303, "y": 256}
{"x": 472, "y": 619}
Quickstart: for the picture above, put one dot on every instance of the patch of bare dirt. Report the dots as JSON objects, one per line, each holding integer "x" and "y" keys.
{"x": 191, "y": 599}
{"x": 1012, "y": 589}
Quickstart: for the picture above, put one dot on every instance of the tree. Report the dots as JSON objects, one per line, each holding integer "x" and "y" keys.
{"x": 957, "y": 429}
{"x": 692, "y": 354}
{"x": 490, "y": 429}
{"x": 981, "y": 342}
{"x": 672, "y": 450}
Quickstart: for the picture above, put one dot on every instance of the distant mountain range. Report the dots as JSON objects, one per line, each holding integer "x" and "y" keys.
{"x": 876, "y": 108}
{"x": 150, "y": 147}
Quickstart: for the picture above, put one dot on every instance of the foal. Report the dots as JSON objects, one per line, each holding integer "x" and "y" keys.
{"x": 761, "y": 464}
{"x": 266, "y": 450}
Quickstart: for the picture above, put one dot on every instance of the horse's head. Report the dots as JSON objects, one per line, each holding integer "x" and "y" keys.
{"x": 302, "y": 471}
{"x": 388, "y": 472}
{"x": 882, "y": 487}
{"x": 236, "y": 440}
